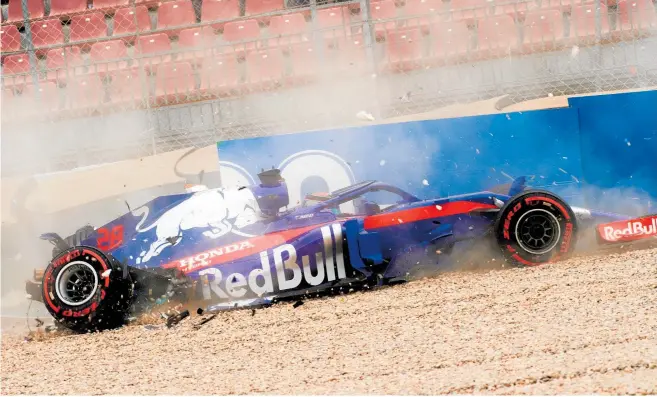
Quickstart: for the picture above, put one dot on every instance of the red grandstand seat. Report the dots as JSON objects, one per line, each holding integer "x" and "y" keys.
{"x": 64, "y": 62}
{"x": 583, "y": 23}
{"x": 497, "y": 36}
{"x": 88, "y": 26}
{"x": 305, "y": 64}
{"x": 109, "y": 4}
{"x": 153, "y": 50}
{"x": 47, "y": 99}
{"x": 264, "y": 69}
{"x": 544, "y": 30}
{"x": 47, "y": 32}
{"x": 350, "y": 54}
{"x": 636, "y": 16}
{"x": 333, "y": 21}
{"x": 287, "y": 29}
{"x": 242, "y": 34}
{"x": 449, "y": 42}
{"x": 259, "y": 7}
{"x": 468, "y": 9}
{"x": 128, "y": 87}
{"x": 220, "y": 76}
{"x": 174, "y": 83}
{"x": 404, "y": 50}
{"x": 219, "y": 10}
{"x": 108, "y": 57}
{"x": 10, "y": 38}
{"x": 16, "y": 70}
{"x": 514, "y": 8}
{"x": 198, "y": 43}
{"x": 383, "y": 14}
{"x": 175, "y": 14}
{"x": 67, "y": 7}
{"x": 422, "y": 12}
{"x": 35, "y": 9}
{"x": 131, "y": 20}
{"x": 85, "y": 93}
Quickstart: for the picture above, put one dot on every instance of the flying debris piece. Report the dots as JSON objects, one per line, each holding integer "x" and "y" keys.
{"x": 106, "y": 273}
{"x": 574, "y": 52}
{"x": 205, "y": 320}
{"x": 425, "y": 182}
{"x": 297, "y": 304}
{"x": 382, "y": 163}
{"x": 363, "y": 115}
{"x": 173, "y": 320}
{"x": 199, "y": 311}
{"x": 39, "y": 322}
{"x": 252, "y": 312}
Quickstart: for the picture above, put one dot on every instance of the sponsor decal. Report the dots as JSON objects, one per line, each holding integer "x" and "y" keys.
{"x": 631, "y": 230}
{"x": 211, "y": 257}
{"x": 280, "y": 269}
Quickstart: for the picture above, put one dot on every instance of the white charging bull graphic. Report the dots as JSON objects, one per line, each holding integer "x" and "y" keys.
{"x": 205, "y": 209}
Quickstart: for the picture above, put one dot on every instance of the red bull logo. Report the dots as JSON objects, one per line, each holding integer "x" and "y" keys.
{"x": 629, "y": 230}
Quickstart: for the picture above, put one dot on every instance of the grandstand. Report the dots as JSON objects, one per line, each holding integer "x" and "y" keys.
{"x": 194, "y": 68}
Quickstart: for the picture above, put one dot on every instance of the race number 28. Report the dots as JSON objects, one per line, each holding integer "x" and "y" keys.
{"x": 109, "y": 239}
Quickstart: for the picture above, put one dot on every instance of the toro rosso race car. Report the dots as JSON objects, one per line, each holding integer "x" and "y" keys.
{"x": 243, "y": 247}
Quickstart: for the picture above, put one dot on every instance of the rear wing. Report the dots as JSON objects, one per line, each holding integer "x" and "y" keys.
{"x": 629, "y": 230}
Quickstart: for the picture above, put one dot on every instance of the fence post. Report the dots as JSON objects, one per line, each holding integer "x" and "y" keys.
{"x": 368, "y": 38}
{"x": 30, "y": 48}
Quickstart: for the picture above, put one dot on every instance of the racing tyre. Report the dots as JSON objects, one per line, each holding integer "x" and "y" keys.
{"x": 86, "y": 290}
{"x": 535, "y": 227}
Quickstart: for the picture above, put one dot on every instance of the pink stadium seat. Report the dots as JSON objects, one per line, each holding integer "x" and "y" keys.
{"x": 381, "y": 11}
{"x": 88, "y": 26}
{"x": 333, "y": 21}
{"x": 109, "y": 4}
{"x": 497, "y": 36}
{"x": 128, "y": 88}
{"x": 544, "y": 30}
{"x": 582, "y": 23}
{"x": 636, "y": 16}
{"x": 258, "y": 7}
{"x": 108, "y": 57}
{"x": 422, "y": 12}
{"x": 35, "y": 9}
{"x": 46, "y": 101}
{"x": 220, "y": 76}
{"x": 131, "y": 20}
{"x": 468, "y": 10}
{"x": 47, "y": 32}
{"x": 64, "y": 62}
{"x": 16, "y": 70}
{"x": 305, "y": 64}
{"x": 11, "y": 39}
{"x": 514, "y": 8}
{"x": 152, "y": 49}
{"x": 219, "y": 10}
{"x": 404, "y": 49}
{"x": 449, "y": 42}
{"x": 175, "y": 14}
{"x": 174, "y": 83}
{"x": 351, "y": 53}
{"x": 264, "y": 69}
{"x": 85, "y": 93}
{"x": 242, "y": 34}
{"x": 67, "y": 7}
{"x": 198, "y": 43}
{"x": 288, "y": 29}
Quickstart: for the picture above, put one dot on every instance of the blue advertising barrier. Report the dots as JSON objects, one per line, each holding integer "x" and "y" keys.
{"x": 600, "y": 150}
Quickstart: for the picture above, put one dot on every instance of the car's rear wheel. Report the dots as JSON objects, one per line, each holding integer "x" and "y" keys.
{"x": 85, "y": 289}
{"x": 535, "y": 227}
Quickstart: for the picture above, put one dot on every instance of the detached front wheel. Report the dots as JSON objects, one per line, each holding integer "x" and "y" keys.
{"x": 85, "y": 289}
{"x": 535, "y": 227}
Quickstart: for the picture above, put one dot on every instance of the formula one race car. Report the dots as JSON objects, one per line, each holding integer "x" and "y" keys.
{"x": 243, "y": 247}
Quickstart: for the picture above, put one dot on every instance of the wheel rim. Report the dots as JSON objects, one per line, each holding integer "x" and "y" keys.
{"x": 76, "y": 283}
{"x": 538, "y": 231}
